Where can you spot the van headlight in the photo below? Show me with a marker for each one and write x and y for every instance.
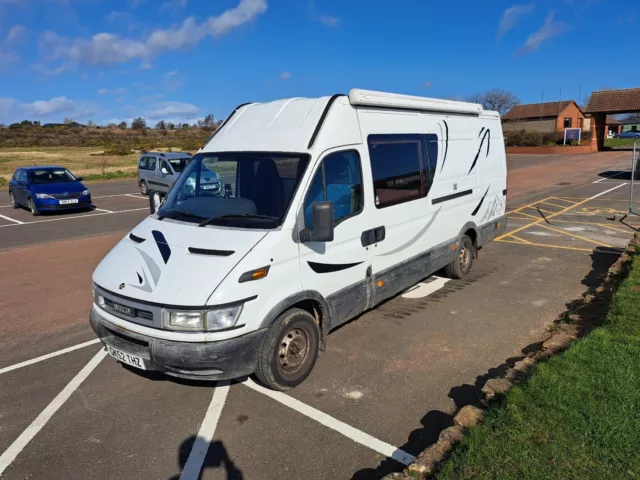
(202, 320)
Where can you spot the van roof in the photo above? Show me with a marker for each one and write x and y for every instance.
(292, 125)
(167, 154)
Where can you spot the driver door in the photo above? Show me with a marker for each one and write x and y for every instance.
(339, 270)
(165, 180)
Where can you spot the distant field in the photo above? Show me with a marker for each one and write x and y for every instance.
(82, 161)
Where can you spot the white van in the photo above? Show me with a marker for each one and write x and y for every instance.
(329, 206)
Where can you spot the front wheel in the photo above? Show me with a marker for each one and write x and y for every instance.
(33, 208)
(288, 351)
(144, 189)
(12, 200)
(461, 265)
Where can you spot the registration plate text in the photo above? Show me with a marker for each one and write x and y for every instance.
(69, 201)
(127, 358)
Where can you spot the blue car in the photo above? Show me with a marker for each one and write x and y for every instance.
(47, 189)
(635, 134)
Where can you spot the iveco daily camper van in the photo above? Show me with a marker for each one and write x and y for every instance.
(327, 207)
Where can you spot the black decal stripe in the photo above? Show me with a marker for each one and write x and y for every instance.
(322, 117)
(504, 192)
(207, 251)
(163, 246)
(475, 160)
(446, 143)
(158, 183)
(139, 278)
(481, 130)
(135, 238)
(331, 267)
(464, 193)
(480, 204)
(488, 141)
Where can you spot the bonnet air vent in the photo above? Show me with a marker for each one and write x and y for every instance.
(136, 238)
(214, 253)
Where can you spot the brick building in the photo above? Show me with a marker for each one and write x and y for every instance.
(544, 117)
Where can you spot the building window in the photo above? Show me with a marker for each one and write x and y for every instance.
(338, 180)
(402, 166)
(567, 123)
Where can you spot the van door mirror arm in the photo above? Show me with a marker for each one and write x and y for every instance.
(323, 224)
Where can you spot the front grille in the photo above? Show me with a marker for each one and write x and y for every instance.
(135, 341)
(62, 196)
(131, 312)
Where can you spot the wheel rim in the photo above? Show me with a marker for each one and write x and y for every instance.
(293, 351)
(143, 187)
(12, 199)
(465, 258)
(32, 206)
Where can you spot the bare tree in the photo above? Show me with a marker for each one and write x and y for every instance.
(138, 124)
(68, 120)
(496, 99)
(161, 125)
(90, 124)
(631, 118)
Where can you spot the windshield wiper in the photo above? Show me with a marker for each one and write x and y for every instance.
(208, 221)
(179, 212)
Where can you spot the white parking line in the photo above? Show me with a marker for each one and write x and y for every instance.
(424, 289)
(111, 196)
(59, 219)
(48, 356)
(18, 222)
(103, 210)
(32, 430)
(612, 176)
(348, 431)
(139, 197)
(200, 447)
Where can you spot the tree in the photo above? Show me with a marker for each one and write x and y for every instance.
(496, 99)
(112, 125)
(68, 120)
(90, 124)
(632, 118)
(122, 125)
(171, 126)
(161, 125)
(185, 125)
(138, 124)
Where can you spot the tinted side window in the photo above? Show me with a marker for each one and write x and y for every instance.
(151, 163)
(337, 180)
(23, 176)
(403, 166)
(16, 176)
(143, 163)
(165, 164)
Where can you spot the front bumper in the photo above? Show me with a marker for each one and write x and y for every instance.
(51, 204)
(222, 360)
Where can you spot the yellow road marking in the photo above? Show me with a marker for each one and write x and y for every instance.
(525, 214)
(564, 199)
(521, 239)
(603, 199)
(547, 246)
(529, 205)
(573, 235)
(565, 210)
(606, 225)
(554, 205)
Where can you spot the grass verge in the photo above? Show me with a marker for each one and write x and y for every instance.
(576, 417)
(619, 142)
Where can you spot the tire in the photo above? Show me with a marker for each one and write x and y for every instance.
(144, 188)
(12, 200)
(465, 253)
(32, 207)
(288, 351)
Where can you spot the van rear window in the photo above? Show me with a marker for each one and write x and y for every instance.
(402, 166)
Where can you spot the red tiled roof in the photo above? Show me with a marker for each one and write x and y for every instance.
(536, 110)
(614, 101)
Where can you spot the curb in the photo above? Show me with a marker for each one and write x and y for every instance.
(587, 314)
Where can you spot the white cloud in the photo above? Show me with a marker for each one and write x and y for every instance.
(11, 108)
(549, 29)
(511, 16)
(114, 91)
(173, 109)
(104, 49)
(285, 75)
(121, 17)
(427, 84)
(329, 21)
(173, 5)
(16, 33)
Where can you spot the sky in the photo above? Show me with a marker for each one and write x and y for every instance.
(179, 60)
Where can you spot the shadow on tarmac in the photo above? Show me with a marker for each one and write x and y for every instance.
(216, 457)
(470, 394)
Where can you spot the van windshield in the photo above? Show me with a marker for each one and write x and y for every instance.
(179, 164)
(238, 189)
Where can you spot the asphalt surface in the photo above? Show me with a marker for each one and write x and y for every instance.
(384, 388)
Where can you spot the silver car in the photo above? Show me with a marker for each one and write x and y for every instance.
(158, 170)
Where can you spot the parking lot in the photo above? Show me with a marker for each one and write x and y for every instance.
(379, 395)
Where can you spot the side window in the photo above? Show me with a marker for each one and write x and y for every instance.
(567, 122)
(402, 166)
(142, 165)
(16, 176)
(151, 163)
(338, 179)
(23, 175)
(165, 164)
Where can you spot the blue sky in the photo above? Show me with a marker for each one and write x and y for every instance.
(108, 60)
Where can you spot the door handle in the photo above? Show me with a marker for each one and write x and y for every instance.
(375, 235)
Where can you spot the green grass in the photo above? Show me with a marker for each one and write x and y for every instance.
(111, 175)
(576, 417)
(619, 142)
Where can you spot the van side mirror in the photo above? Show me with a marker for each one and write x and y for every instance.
(323, 224)
(164, 171)
(155, 201)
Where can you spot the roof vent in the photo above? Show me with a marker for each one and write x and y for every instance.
(213, 253)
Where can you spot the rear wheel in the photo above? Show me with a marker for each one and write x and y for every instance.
(33, 208)
(288, 351)
(144, 189)
(12, 200)
(461, 265)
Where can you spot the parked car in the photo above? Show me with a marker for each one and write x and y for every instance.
(336, 205)
(628, 134)
(47, 189)
(157, 171)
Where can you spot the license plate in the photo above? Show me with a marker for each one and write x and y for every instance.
(127, 358)
(67, 202)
